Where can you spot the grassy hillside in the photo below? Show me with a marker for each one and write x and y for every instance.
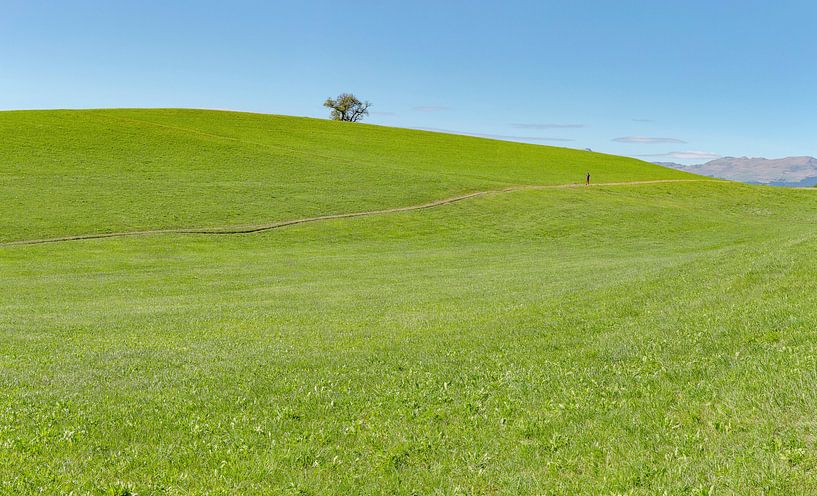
(78, 172)
(636, 339)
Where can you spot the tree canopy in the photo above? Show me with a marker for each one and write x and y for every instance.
(346, 107)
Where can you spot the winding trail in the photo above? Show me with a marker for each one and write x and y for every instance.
(276, 225)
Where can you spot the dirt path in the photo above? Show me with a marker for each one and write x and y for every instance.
(275, 225)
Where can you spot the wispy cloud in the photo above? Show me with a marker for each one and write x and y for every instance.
(502, 137)
(546, 126)
(431, 108)
(522, 138)
(648, 140)
(686, 155)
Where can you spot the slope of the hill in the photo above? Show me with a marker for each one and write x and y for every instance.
(90, 171)
(649, 339)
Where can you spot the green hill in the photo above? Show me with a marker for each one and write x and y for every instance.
(90, 171)
(629, 339)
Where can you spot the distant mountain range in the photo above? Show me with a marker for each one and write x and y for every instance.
(789, 171)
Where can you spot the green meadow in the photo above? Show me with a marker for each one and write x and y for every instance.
(625, 339)
(72, 172)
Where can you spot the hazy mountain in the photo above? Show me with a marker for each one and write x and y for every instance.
(789, 171)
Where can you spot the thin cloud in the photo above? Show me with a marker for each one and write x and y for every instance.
(686, 155)
(647, 140)
(502, 137)
(521, 138)
(431, 108)
(546, 126)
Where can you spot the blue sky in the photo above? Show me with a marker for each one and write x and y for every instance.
(658, 80)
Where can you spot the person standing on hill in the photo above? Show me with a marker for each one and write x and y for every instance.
(587, 179)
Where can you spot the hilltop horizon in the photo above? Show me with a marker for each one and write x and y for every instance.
(659, 106)
(778, 165)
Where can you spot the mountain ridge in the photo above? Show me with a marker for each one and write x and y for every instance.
(798, 170)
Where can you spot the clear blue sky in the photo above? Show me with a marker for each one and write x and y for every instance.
(636, 78)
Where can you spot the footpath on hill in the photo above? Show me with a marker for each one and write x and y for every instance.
(249, 229)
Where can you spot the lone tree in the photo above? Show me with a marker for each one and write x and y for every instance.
(346, 107)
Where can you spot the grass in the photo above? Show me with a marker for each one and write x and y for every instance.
(621, 340)
(80, 172)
